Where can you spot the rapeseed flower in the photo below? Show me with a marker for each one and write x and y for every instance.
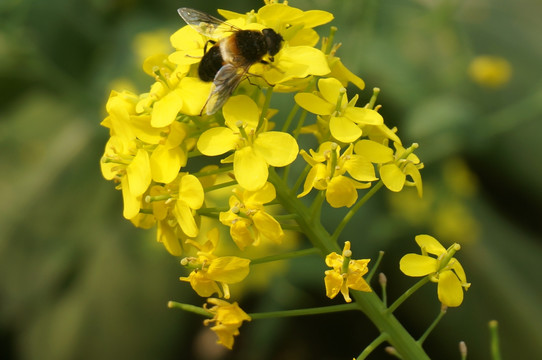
(445, 270)
(346, 274)
(247, 218)
(254, 148)
(211, 270)
(227, 320)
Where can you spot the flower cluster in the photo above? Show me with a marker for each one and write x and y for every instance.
(366, 138)
(162, 142)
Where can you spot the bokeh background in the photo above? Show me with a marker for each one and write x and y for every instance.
(77, 281)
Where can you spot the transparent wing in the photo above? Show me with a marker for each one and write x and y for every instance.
(226, 81)
(204, 23)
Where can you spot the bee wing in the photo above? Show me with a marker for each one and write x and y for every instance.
(204, 23)
(226, 81)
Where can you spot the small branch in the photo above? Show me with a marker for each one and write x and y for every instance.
(304, 312)
(284, 256)
(373, 345)
(407, 294)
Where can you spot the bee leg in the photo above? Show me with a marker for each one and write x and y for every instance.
(206, 44)
(260, 76)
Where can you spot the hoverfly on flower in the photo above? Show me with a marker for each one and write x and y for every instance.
(228, 60)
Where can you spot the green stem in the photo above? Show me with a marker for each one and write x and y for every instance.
(301, 179)
(190, 308)
(290, 118)
(367, 302)
(375, 266)
(304, 312)
(373, 345)
(407, 294)
(284, 256)
(211, 211)
(268, 95)
(220, 170)
(220, 186)
(432, 326)
(283, 217)
(494, 345)
(355, 209)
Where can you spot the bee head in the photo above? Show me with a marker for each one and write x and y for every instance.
(273, 40)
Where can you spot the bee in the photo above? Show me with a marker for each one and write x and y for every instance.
(228, 60)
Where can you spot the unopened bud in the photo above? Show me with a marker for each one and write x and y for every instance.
(463, 349)
(382, 279)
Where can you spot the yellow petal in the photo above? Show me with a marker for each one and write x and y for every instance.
(241, 234)
(341, 192)
(412, 170)
(166, 163)
(228, 269)
(201, 284)
(364, 116)
(333, 281)
(268, 226)
(166, 109)
(191, 191)
(330, 89)
(360, 168)
(166, 235)
(375, 152)
(262, 196)
(194, 93)
(456, 266)
(139, 173)
(132, 203)
(277, 148)
(334, 260)
(430, 244)
(250, 169)
(357, 282)
(393, 177)
(186, 220)
(344, 129)
(297, 62)
(418, 265)
(217, 141)
(313, 103)
(241, 108)
(450, 292)
(186, 38)
(341, 72)
(313, 18)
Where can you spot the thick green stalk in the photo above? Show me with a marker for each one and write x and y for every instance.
(368, 302)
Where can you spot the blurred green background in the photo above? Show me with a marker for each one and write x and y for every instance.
(77, 281)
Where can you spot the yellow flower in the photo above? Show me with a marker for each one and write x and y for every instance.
(327, 173)
(174, 206)
(227, 320)
(344, 117)
(247, 218)
(490, 71)
(297, 59)
(393, 169)
(124, 160)
(444, 269)
(211, 270)
(346, 274)
(255, 149)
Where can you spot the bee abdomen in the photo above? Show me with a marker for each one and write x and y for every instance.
(210, 63)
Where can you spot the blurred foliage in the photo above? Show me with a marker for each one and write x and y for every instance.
(77, 281)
